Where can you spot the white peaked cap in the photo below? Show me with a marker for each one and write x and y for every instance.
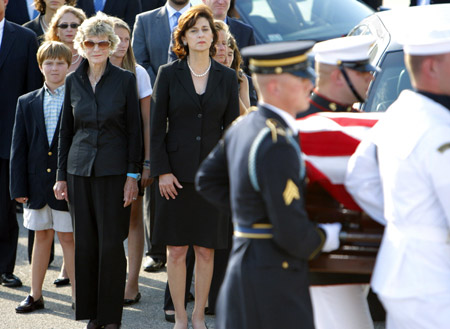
(344, 49)
(428, 41)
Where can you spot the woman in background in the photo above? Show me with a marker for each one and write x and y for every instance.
(123, 57)
(227, 53)
(46, 8)
(64, 27)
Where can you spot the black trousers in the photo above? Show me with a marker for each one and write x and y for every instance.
(9, 229)
(100, 226)
(157, 252)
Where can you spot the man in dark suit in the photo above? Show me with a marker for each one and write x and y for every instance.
(151, 35)
(257, 170)
(19, 74)
(148, 5)
(21, 11)
(243, 33)
(126, 10)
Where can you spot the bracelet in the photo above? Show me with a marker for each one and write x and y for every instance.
(146, 164)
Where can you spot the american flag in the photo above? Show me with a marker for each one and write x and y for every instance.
(327, 140)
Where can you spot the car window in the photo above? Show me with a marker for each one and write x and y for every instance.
(284, 20)
(388, 83)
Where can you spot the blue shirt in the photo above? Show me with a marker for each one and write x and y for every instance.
(52, 108)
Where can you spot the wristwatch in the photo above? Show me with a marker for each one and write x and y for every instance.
(135, 176)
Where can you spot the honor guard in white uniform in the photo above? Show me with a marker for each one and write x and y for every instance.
(257, 169)
(400, 174)
(344, 74)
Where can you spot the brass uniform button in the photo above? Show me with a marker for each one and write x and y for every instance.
(49, 170)
(285, 265)
(50, 153)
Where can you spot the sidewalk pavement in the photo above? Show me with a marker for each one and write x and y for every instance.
(58, 314)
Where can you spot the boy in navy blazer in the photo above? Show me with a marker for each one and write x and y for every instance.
(33, 168)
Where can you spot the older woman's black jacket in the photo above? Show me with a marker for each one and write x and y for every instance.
(195, 124)
(100, 134)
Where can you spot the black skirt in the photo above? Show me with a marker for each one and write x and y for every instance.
(189, 220)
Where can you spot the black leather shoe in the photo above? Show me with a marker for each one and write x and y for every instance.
(154, 265)
(59, 282)
(10, 280)
(128, 302)
(29, 305)
(169, 317)
(112, 326)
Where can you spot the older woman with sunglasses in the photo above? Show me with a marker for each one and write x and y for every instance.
(64, 27)
(99, 155)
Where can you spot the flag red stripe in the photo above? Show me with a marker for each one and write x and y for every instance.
(327, 143)
(337, 191)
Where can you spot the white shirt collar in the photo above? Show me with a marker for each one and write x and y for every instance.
(2, 28)
(289, 119)
(2, 25)
(171, 11)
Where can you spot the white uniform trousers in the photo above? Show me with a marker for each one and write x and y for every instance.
(423, 312)
(342, 306)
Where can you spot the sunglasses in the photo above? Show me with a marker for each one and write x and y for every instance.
(65, 26)
(101, 44)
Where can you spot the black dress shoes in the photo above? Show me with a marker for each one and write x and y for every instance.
(10, 280)
(29, 305)
(128, 302)
(154, 265)
(169, 317)
(59, 282)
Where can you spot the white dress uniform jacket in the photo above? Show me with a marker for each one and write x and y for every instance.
(411, 145)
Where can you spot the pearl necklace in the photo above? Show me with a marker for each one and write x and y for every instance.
(199, 75)
(76, 61)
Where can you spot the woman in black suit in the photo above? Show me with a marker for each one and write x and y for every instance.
(194, 100)
(99, 157)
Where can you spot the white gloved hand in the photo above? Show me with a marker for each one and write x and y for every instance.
(332, 231)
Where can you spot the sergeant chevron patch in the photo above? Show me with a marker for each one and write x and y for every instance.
(291, 192)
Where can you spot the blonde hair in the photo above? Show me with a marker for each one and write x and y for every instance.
(52, 33)
(95, 26)
(129, 61)
(53, 50)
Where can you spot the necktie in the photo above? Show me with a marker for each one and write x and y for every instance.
(98, 5)
(176, 15)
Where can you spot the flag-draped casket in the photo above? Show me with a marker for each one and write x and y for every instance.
(327, 141)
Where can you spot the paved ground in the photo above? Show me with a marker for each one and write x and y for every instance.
(58, 313)
(146, 314)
